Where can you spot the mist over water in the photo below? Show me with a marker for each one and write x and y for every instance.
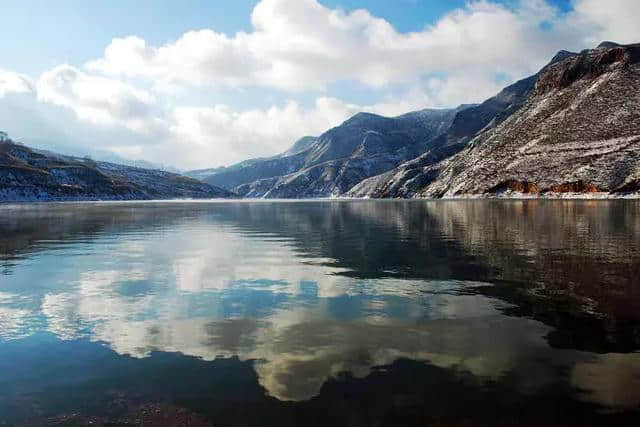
(323, 312)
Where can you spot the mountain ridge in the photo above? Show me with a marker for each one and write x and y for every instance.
(328, 165)
(571, 128)
(367, 145)
(577, 133)
(28, 174)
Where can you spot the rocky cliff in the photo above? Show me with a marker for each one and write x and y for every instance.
(578, 131)
(30, 175)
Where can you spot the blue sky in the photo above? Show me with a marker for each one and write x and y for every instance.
(206, 83)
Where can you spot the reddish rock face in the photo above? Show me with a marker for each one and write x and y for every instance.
(574, 187)
(586, 65)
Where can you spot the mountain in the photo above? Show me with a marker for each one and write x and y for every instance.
(364, 145)
(576, 131)
(255, 169)
(369, 145)
(27, 174)
(468, 122)
(329, 165)
(300, 145)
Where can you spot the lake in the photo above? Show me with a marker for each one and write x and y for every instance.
(321, 313)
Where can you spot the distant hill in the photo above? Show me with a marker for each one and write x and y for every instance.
(32, 175)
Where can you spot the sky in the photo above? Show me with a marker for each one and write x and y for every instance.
(198, 83)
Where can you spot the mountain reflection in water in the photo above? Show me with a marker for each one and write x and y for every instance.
(323, 312)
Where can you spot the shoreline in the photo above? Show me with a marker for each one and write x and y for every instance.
(548, 196)
(468, 197)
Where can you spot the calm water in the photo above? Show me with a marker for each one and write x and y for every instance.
(322, 313)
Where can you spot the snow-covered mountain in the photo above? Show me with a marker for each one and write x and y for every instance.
(577, 131)
(360, 157)
(329, 165)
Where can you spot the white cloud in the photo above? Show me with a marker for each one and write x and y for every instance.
(224, 133)
(614, 20)
(301, 44)
(97, 99)
(199, 57)
(14, 83)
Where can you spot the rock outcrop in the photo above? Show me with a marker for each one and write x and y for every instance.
(31, 175)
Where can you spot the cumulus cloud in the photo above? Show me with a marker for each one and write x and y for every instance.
(14, 83)
(224, 133)
(198, 57)
(301, 44)
(615, 20)
(97, 99)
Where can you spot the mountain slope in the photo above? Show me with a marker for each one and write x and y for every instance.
(367, 145)
(27, 174)
(468, 122)
(577, 131)
(363, 146)
(256, 169)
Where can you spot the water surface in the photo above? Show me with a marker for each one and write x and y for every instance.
(322, 312)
